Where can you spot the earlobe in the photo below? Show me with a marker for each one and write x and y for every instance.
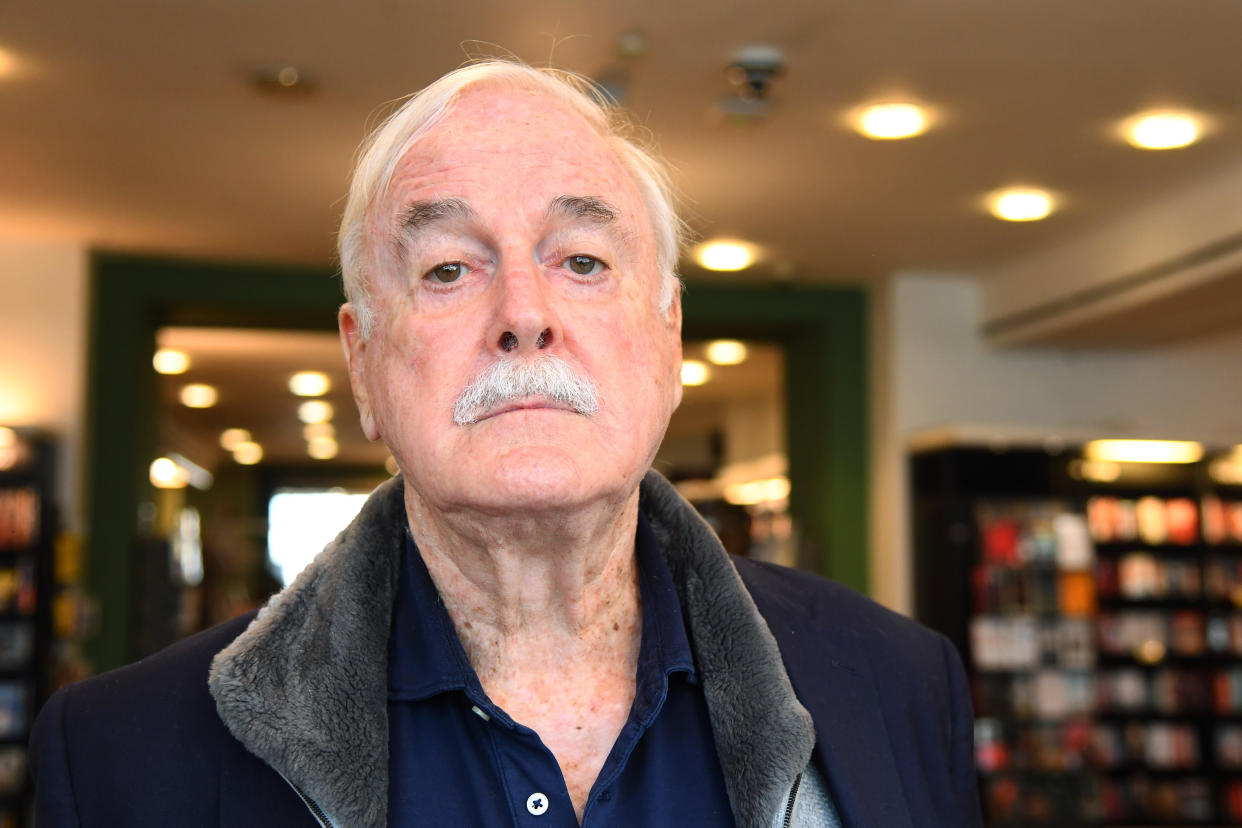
(355, 346)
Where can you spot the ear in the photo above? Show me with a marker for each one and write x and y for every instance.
(673, 320)
(355, 347)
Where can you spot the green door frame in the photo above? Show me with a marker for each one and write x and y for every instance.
(822, 330)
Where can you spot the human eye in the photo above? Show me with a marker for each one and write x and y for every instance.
(446, 273)
(584, 265)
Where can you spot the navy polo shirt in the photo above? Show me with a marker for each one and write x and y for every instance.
(455, 758)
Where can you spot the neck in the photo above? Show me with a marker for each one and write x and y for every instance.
(565, 580)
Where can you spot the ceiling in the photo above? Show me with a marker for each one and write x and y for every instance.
(130, 125)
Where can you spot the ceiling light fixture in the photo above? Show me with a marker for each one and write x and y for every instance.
(1162, 129)
(1021, 204)
(315, 411)
(247, 454)
(170, 361)
(726, 352)
(231, 438)
(10, 66)
(309, 383)
(166, 474)
(1144, 451)
(892, 121)
(726, 254)
(199, 395)
(694, 372)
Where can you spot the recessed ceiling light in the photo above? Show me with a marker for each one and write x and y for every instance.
(170, 361)
(10, 66)
(166, 474)
(322, 448)
(315, 411)
(892, 121)
(309, 383)
(726, 352)
(1162, 130)
(247, 454)
(198, 395)
(726, 254)
(231, 438)
(1021, 204)
(694, 372)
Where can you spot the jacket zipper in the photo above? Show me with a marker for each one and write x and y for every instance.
(789, 806)
(317, 812)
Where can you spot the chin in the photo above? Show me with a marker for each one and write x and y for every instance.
(546, 480)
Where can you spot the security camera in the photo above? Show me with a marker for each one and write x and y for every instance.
(754, 68)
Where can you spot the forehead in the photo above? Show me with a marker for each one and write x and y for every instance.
(518, 140)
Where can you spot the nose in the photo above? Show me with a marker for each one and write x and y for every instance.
(525, 321)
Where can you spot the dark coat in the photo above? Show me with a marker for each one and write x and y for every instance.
(152, 744)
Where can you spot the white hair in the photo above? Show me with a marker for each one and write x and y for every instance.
(507, 380)
(364, 240)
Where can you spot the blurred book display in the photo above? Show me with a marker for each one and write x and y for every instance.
(27, 526)
(1101, 625)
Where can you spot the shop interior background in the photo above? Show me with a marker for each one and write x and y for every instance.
(172, 179)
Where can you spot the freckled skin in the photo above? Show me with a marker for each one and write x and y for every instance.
(526, 520)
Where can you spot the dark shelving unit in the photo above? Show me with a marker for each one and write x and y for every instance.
(1101, 624)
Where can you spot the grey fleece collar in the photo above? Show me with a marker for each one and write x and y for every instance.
(304, 687)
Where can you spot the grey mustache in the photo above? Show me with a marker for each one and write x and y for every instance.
(507, 380)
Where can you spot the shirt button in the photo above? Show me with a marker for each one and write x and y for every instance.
(537, 803)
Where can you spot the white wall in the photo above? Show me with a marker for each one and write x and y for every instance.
(43, 319)
(932, 369)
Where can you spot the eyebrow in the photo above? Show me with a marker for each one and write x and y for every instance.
(589, 208)
(423, 214)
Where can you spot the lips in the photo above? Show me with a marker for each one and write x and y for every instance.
(527, 405)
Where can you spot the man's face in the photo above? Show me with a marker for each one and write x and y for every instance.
(518, 235)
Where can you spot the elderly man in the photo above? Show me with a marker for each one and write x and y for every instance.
(526, 627)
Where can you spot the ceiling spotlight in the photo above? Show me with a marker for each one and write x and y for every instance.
(198, 395)
(694, 372)
(247, 454)
(322, 448)
(1162, 130)
(892, 121)
(166, 474)
(726, 254)
(10, 66)
(1021, 204)
(309, 383)
(231, 438)
(315, 411)
(726, 352)
(170, 361)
